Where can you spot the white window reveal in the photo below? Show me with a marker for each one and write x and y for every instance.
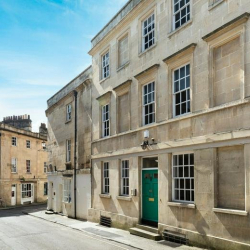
(68, 150)
(183, 178)
(67, 191)
(14, 141)
(105, 120)
(106, 178)
(181, 90)
(68, 112)
(105, 65)
(181, 12)
(148, 32)
(28, 166)
(149, 103)
(13, 165)
(125, 178)
(27, 144)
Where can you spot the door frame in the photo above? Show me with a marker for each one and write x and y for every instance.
(12, 186)
(151, 156)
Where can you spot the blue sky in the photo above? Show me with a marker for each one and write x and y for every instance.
(43, 45)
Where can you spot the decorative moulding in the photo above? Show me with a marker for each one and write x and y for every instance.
(226, 27)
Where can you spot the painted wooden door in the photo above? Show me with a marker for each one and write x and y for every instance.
(150, 195)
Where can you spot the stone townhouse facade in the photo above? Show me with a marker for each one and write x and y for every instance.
(61, 147)
(23, 164)
(170, 120)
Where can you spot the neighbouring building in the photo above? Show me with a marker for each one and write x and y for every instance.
(171, 115)
(61, 147)
(23, 161)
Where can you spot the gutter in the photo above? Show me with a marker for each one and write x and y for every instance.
(75, 157)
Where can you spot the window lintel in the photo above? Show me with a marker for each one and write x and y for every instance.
(123, 87)
(153, 67)
(105, 96)
(181, 53)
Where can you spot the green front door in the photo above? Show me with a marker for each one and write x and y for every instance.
(150, 195)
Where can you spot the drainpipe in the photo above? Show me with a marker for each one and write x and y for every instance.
(75, 158)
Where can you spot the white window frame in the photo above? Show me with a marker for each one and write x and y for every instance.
(105, 61)
(14, 141)
(27, 190)
(187, 89)
(147, 24)
(146, 105)
(28, 144)
(28, 167)
(125, 178)
(67, 190)
(106, 120)
(45, 167)
(179, 177)
(68, 112)
(68, 150)
(187, 16)
(14, 165)
(106, 180)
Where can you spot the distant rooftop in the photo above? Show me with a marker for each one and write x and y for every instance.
(128, 7)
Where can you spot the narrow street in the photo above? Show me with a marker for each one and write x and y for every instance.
(30, 228)
(19, 231)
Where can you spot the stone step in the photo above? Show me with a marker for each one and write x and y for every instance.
(148, 228)
(145, 234)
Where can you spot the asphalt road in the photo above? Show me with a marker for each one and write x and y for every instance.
(19, 231)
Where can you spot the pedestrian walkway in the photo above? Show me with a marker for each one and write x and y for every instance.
(112, 234)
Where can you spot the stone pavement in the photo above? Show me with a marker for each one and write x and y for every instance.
(111, 234)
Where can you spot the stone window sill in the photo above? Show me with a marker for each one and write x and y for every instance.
(123, 66)
(230, 211)
(210, 7)
(124, 198)
(145, 51)
(106, 196)
(68, 121)
(104, 79)
(178, 204)
(180, 28)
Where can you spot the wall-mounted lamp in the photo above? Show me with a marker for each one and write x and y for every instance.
(145, 142)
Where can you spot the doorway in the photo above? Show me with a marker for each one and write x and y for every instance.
(150, 191)
(13, 194)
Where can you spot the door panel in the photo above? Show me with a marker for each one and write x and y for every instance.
(150, 195)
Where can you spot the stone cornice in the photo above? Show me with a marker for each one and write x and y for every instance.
(226, 27)
(105, 95)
